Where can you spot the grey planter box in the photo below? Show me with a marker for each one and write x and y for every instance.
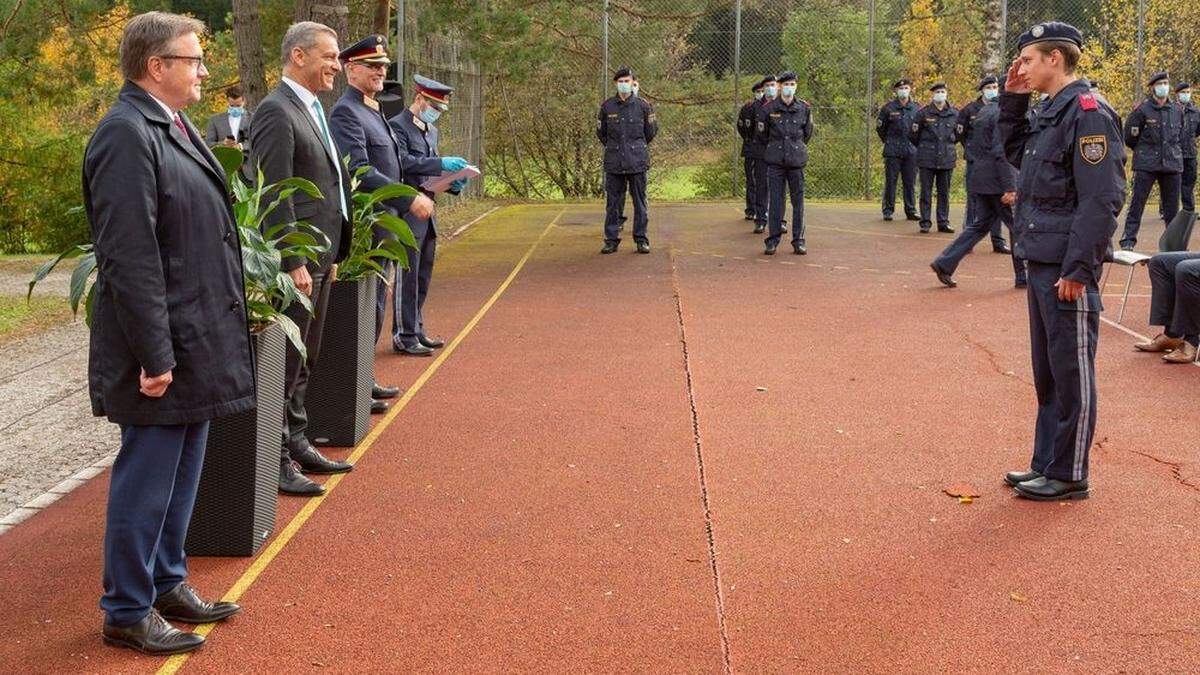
(339, 389)
(239, 485)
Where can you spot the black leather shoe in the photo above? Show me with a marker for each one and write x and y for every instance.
(925, 227)
(432, 343)
(609, 247)
(1127, 246)
(413, 350)
(1013, 478)
(749, 216)
(152, 635)
(292, 482)
(1001, 248)
(770, 249)
(888, 217)
(643, 247)
(311, 461)
(913, 217)
(946, 230)
(946, 279)
(759, 229)
(379, 391)
(182, 604)
(799, 249)
(378, 407)
(783, 228)
(1043, 489)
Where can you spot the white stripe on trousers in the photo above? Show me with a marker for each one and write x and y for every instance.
(1085, 388)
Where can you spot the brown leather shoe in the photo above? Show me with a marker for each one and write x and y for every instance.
(1160, 343)
(182, 604)
(152, 635)
(1184, 353)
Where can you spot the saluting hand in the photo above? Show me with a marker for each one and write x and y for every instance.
(1068, 291)
(302, 279)
(156, 386)
(1016, 83)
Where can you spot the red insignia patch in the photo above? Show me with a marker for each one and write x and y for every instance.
(1088, 102)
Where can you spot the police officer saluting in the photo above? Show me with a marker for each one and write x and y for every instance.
(1071, 187)
(785, 128)
(1191, 129)
(989, 91)
(933, 132)
(1153, 132)
(899, 154)
(745, 129)
(762, 196)
(626, 127)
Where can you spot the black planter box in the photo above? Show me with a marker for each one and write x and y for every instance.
(239, 485)
(338, 401)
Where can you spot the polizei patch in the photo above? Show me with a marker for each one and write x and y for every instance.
(1093, 149)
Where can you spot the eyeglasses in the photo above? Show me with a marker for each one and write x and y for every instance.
(199, 60)
(372, 66)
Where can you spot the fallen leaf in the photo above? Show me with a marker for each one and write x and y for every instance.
(760, 389)
(1017, 597)
(959, 490)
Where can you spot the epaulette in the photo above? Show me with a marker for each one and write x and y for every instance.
(1088, 102)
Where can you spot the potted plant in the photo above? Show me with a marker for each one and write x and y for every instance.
(339, 387)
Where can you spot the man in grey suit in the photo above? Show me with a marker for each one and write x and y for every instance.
(232, 128)
(291, 138)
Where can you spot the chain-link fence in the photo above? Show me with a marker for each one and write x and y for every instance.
(696, 61)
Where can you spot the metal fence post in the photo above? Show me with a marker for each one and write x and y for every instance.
(737, 88)
(870, 101)
(400, 45)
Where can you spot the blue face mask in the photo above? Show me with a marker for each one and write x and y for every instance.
(758, 95)
(771, 91)
(939, 97)
(236, 111)
(1185, 97)
(1161, 90)
(789, 90)
(990, 94)
(430, 115)
(902, 93)
(625, 88)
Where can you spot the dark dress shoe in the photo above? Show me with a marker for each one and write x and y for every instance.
(152, 635)
(749, 216)
(770, 249)
(311, 461)
(292, 482)
(609, 247)
(417, 349)
(1001, 248)
(378, 407)
(1020, 283)
(946, 230)
(783, 228)
(1043, 489)
(888, 217)
(182, 604)
(946, 279)
(913, 217)
(759, 229)
(925, 228)
(643, 247)
(1013, 478)
(380, 391)
(799, 249)
(432, 343)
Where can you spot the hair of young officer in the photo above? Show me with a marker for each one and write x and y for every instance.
(1070, 53)
(150, 34)
(303, 35)
(233, 92)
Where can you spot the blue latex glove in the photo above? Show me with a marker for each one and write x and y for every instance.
(458, 185)
(452, 164)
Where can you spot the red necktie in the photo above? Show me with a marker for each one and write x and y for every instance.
(183, 129)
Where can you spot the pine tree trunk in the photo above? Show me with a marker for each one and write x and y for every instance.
(336, 15)
(247, 34)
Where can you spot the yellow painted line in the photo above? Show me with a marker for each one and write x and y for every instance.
(268, 555)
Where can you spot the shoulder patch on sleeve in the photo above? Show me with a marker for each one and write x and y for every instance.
(1088, 102)
(1093, 149)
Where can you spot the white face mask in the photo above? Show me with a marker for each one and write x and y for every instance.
(990, 93)
(625, 88)
(903, 93)
(939, 97)
(789, 90)
(1161, 90)
(1185, 97)
(771, 91)
(758, 95)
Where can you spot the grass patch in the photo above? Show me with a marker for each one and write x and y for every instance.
(18, 319)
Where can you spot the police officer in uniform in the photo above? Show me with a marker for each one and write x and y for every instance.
(933, 133)
(989, 91)
(770, 89)
(1153, 131)
(626, 126)
(785, 128)
(1191, 130)
(1071, 188)
(899, 154)
(745, 129)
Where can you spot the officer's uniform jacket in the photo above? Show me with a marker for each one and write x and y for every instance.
(990, 174)
(626, 128)
(785, 130)
(1190, 131)
(933, 132)
(360, 130)
(893, 124)
(419, 161)
(1072, 179)
(1154, 133)
(757, 148)
(745, 127)
(965, 126)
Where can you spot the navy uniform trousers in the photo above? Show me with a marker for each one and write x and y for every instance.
(989, 213)
(997, 235)
(942, 178)
(1168, 192)
(780, 178)
(751, 198)
(411, 287)
(150, 499)
(904, 168)
(615, 186)
(1063, 341)
(1175, 298)
(1188, 184)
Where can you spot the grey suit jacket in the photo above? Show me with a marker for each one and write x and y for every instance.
(218, 129)
(287, 143)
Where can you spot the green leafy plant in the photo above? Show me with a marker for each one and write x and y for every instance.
(82, 285)
(366, 257)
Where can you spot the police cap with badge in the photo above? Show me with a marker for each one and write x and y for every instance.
(371, 49)
(1158, 77)
(902, 82)
(435, 92)
(986, 81)
(1050, 31)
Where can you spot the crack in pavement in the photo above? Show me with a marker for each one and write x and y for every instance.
(708, 520)
(993, 358)
(1176, 469)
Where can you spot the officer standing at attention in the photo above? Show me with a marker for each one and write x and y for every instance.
(762, 198)
(785, 128)
(989, 91)
(899, 154)
(1191, 130)
(745, 129)
(1071, 187)
(933, 134)
(626, 126)
(1153, 131)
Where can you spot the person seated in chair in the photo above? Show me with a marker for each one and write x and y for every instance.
(1174, 305)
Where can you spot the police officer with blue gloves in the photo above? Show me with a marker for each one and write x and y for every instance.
(1071, 188)
(762, 198)
(417, 137)
(1191, 130)
(989, 91)
(992, 182)
(1154, 131)
(745, 129)
(626, 126)
(899, 154)
(785, 128)
(933, 132)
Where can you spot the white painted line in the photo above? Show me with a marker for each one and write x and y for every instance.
(865, 269)
(813, 265)
(787, 262)
(464, 228)
(839, 267)
(736, 257)
(902, 272)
